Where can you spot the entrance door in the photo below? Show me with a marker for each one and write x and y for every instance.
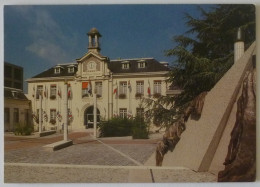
(89, 117)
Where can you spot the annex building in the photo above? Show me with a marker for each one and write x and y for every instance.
(119, 86)
(16, 105)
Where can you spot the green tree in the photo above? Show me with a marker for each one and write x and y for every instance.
(203, 55)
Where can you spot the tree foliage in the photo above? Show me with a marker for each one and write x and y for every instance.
(203, 55)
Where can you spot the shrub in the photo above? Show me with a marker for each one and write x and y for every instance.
(117, 127)
(21, 129)
(138, 95)
(156, 95)
(140, 129)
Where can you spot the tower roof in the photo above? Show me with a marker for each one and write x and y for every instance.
(240, 34)
(94, 31)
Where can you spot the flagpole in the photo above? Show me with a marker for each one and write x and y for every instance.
(117, 91)
(40, 114)
(95, 112)
(130, 109)
(66, 110)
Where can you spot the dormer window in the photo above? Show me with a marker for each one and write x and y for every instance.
(125, 65)
(141, 64)
(14, 94)
(58, 69)
(71, 69)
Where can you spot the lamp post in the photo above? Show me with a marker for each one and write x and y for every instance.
(95, 112)
(65, 110)
(40, 113)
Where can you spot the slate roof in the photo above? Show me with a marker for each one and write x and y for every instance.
(11, 93)
(152, 65)
(115, 66)
(64, 71)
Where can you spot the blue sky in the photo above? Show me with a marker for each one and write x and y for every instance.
(38, 37)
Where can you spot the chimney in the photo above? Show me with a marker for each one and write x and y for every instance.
(239, 45)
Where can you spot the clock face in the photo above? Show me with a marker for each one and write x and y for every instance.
(92, 65)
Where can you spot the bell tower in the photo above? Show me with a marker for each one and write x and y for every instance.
(93, 40)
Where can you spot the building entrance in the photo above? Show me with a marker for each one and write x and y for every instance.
(89, 117)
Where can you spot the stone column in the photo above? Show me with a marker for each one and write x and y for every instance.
(89, 41)
(96, 41)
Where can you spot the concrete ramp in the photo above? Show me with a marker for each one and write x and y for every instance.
(200, 140)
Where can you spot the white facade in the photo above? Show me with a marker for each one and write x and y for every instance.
(118, 93)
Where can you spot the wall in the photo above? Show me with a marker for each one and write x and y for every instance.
(200, 140)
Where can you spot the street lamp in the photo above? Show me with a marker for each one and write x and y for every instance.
(65, 110)
(95, 111)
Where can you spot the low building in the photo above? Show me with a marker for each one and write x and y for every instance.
(16, 106)
(119, 86)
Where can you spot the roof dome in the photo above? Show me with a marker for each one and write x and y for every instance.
(94, 31)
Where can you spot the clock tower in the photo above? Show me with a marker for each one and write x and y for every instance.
(93, 40)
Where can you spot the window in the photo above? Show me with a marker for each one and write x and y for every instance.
(141, 65)
(71, 69)
(122, 90)
(93, 42)
(53, 114)
(123, 112)
(39, 91)
(16, 115)
(53, 91)
(57, 70)
(7, 115)
(14, 94)
(99, 89)
(140, 113)
(86, 89)
(8, 71)
(157, 87)
(140, 88)
(125, 65)
(8, 83)
(18, 75)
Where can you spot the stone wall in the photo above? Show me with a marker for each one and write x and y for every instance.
(199, 141)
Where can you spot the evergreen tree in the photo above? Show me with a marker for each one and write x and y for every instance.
(203, 55)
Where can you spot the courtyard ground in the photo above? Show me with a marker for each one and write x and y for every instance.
(119, 159)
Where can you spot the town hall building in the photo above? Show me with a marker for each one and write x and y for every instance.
(119, 86)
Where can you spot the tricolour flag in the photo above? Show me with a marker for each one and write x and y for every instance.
(115, 90)
(45, 92)
(59, 92)
(129, 86)
(149, 89)
(89, 88)
(33, 91)
(69, 91)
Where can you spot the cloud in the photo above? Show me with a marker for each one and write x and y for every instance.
(47, 50)
(47, 38)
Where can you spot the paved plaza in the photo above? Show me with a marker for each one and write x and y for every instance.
(119, 159)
